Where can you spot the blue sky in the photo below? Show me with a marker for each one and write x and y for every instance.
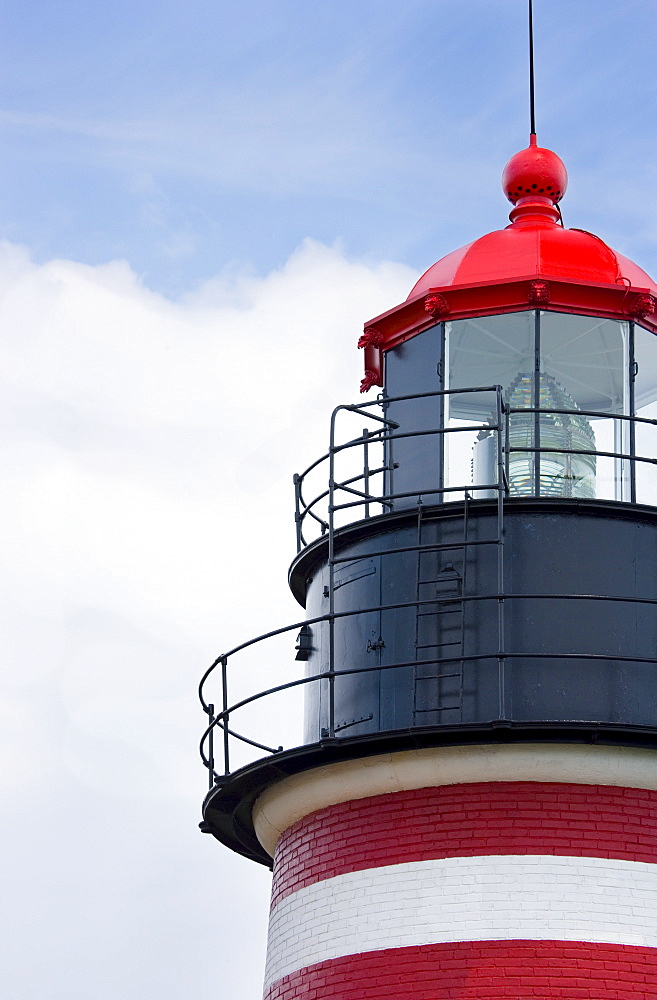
(184, 138)
(200, 204)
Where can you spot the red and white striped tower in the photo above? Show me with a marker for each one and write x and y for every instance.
(472, 812)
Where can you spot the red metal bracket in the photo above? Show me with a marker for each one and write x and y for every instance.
(539, 292)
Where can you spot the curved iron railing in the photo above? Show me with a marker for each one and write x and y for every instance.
(389, 433)
(385, 435)
(219, 720)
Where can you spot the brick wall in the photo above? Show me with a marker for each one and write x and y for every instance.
(481, 891)
(465, 821)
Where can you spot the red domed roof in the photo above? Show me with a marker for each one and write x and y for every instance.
(528, 251)
(535, 244)
(532, 264)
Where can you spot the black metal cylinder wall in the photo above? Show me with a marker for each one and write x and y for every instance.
(579, 598)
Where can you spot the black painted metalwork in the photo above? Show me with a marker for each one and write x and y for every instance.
(449, 606)
(386, 538)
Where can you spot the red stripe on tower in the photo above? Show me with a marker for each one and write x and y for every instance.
(485, 970)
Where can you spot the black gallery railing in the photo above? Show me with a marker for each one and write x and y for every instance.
(221, 734)
(216, 753)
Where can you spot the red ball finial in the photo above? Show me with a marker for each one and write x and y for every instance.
(535, 173)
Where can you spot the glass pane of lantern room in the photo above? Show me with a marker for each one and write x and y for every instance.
(584, 365)
(483, 351)
(414, 463)
(645, 407)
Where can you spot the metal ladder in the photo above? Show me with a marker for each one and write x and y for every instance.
(441, 579)
(441, 627)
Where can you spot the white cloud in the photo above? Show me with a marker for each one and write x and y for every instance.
(147, 450)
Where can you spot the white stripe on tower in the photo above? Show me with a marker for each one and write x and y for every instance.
(526, 897)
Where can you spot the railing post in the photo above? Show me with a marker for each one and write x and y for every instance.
(634, 370)
(502, 431)
(211, 746)
(331, 567)
(296, 479)
(366, 469)
(224, 711)
(390, 463)
(507, 446)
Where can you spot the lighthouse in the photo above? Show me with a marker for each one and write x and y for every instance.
(470, 810)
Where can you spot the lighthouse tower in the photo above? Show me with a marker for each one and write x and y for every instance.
(471, 809)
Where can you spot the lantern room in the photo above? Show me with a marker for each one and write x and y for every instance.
(554, 317)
